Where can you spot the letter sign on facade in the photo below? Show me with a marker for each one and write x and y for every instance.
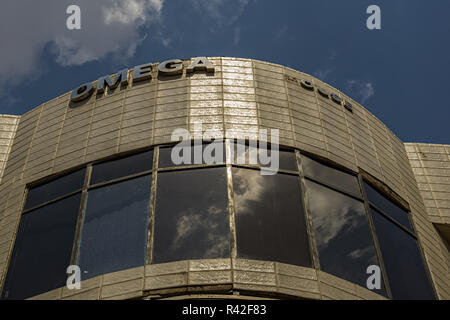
(103, 82)
(82, 92)
(171, 67)
(142, 72)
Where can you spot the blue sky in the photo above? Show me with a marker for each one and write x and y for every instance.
(399, 73)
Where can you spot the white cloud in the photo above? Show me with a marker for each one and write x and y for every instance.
(237, 36)
(322, 74)
(27, 27)
(282, 31)
(221, 12)
(362, 91)
(130, 11)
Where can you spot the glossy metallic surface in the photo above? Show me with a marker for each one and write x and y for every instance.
(342, 234)
(329, 175)
(53, 189)
(125, 166)
(408, 278)
(270, 222)
(114, 232)
(43, 249)
(191, 215)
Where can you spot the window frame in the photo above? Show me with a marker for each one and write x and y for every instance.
(361, 176)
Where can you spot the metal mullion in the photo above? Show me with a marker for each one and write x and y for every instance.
(337, 189)
(67, 195)
(131, 176)
(327, 162)
(188, 167)
(231, 211)
(151, 212)
(375, 238)
(256, 167)
(308, 218)
(80, 218)
(387, 216)
(191, 143)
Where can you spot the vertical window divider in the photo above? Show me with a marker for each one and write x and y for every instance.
(81, 211)
(231, 211)
(311, 238)
(151, 217)
(374, 237)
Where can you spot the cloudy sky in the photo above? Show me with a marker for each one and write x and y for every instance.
(400, 73)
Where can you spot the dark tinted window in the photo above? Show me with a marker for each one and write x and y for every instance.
(188, 153)
(122, 167)
(270, 222)
(388, 207)
(403, 262)
(55, 188)
(114, 234)
(330, 176)
(191, 215)
(249, 154)
(42, 249)
(342, 234)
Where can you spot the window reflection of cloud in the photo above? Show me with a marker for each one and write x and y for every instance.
(358, 253)
(219, 249)
(248, 187)
(194, 221)
(244, 154)
(332, 213)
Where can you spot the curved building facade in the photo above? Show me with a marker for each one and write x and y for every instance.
(89, 180)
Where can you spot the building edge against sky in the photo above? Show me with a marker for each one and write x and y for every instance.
(241, 97)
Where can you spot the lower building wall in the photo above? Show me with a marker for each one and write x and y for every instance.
(220, 276)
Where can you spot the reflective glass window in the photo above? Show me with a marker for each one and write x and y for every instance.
(388, 207)
(191, 215)
(56, 188)
(42, 249)
(114, 232)
(270, 221)
(190, 153)
(122, 167)
(249, 154)
(342, 234)
(403, 262)
(330, 176)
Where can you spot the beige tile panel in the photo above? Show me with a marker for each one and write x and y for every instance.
(241, 97)
(8, 127)
(245, 275)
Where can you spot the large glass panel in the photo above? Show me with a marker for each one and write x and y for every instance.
(330, 176)
(190, 153)
(114, 234)
(191, 215)
(56, 188)
(270, 222)
(388, 207)
(122, 167)
(42, 249)
(342, 234)
(250, 155)
(403, 262)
